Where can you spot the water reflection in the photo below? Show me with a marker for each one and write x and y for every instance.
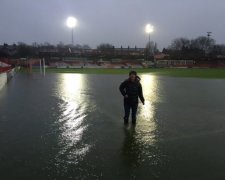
(71, 122)
(131, 147)
(147, 122)
(140, 141)
(70, 86)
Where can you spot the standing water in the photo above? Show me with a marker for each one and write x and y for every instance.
(70, 126)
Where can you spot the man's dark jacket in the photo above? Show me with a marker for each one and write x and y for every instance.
(133, 90)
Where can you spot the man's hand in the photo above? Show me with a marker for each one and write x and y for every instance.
(126, 96)
(143, 103)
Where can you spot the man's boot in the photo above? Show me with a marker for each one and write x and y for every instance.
(134, 121)
(125, 120)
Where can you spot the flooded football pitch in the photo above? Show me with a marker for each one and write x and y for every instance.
(70, 126)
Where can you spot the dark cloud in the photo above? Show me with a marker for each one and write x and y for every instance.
(120, 22)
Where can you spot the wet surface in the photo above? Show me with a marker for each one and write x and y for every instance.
(70, 126)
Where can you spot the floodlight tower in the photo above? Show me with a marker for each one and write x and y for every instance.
(209, 34)
(149, 29)
(71, 23)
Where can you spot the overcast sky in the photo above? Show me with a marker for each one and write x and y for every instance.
(120, 22)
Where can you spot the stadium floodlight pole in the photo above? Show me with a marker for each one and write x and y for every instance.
(71, 23)
(149, 29)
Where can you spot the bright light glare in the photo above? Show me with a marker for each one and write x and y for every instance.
(147, 114)
(71, 22)
(149, 28)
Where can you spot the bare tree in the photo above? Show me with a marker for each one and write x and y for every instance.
(218, 49)
(180, 43)
(203, 43)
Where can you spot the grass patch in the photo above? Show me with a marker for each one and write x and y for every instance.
(176, 72)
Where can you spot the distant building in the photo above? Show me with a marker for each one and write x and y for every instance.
(53, 53)
(160, 56)
(174, 63)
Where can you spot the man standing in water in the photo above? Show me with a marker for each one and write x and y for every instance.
(131, 89)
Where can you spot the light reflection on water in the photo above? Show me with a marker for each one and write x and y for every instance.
(141, 138)
(75, 130)
(73, 110)
(147, 122)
